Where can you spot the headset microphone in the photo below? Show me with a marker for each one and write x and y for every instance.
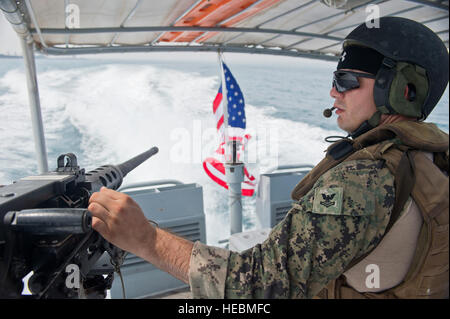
(328, 112)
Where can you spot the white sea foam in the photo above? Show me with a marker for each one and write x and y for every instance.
(16, 139)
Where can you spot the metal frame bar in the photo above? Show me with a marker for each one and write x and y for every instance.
(354, 25)
(202, 48)
(436, 19)
(274, 18)
(228, 19)
(35, 106)
(357, 24)
(351, 26)
(179, 35)
(33, 94)
(329, 46)
(323, 19)
(66, 38)
(286, 13)
(177, 19)
(33, 19)
(128, 17)
(240, 12)
(278, 35)
(178, 29)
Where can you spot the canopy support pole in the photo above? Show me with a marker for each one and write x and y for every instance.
(35, 106)
(13, 14)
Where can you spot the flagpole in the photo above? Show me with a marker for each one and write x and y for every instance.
(225, 99)
(234, 170)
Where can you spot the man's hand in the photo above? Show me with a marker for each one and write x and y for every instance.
(120, 220)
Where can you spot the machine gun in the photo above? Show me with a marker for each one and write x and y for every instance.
(45, 228)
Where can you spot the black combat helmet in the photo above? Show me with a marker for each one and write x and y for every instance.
(414, 72)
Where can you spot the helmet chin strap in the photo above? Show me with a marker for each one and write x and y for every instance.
(345, 146)
(366, 126)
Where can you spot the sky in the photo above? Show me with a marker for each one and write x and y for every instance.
(9, 42)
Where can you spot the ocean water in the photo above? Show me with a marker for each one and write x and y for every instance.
(108, 110)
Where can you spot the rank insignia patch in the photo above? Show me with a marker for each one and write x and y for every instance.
(328, 200)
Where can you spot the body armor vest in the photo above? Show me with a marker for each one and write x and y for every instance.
(402, 146)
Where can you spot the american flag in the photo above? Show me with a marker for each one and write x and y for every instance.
(235, 105)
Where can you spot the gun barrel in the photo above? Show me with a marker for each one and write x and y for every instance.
(131, 164)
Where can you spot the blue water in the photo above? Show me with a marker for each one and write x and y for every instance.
(107, 110)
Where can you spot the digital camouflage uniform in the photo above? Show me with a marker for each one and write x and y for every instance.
(343, 216)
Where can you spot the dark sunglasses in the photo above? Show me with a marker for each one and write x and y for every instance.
(348, 80)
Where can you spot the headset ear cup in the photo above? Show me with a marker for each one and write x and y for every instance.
(382, 87)
(408, 91)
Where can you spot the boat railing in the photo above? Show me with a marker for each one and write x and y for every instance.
(273, 197)
(147, 184)
(290, 168)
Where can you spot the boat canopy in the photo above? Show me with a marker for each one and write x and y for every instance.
(309, 28)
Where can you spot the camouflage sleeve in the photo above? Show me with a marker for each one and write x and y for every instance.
(207, 271)
(342, 216)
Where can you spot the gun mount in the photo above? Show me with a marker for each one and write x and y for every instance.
(45, 228)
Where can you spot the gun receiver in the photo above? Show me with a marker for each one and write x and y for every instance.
(45, 227)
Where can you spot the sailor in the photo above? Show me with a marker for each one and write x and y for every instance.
(369, 221)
